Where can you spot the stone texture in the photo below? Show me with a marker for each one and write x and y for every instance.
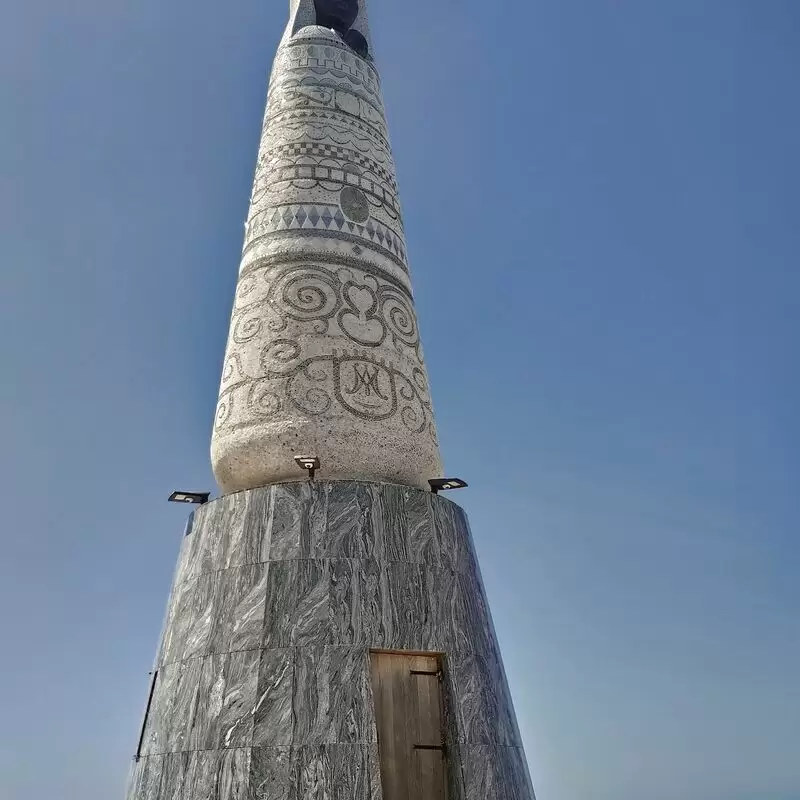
(263, 687)
(324, 355)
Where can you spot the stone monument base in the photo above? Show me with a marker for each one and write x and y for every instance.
(283, 599)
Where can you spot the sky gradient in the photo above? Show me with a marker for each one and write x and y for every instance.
(603, 224)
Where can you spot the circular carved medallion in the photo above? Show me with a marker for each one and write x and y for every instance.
(355, 205)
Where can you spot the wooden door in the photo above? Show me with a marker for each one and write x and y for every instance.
(411, 740)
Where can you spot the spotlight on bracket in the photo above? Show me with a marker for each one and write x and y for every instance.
(196, 498)
(446, 484)
(310, 463)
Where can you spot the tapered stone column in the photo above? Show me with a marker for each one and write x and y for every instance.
(262, 690)
(324, 354)
(293, 599)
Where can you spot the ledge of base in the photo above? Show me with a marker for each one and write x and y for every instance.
(321, 484)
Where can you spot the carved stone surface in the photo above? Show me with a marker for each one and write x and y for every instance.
(263, 687)
(324, 355)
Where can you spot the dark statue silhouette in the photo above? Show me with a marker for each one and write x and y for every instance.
(340, 15)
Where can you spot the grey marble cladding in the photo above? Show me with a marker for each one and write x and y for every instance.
(327, 520)
(263, 686)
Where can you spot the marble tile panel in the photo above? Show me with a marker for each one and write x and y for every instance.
(313, 529)
(472, 630)
(455, 777)
(233, 781)
(332, 696)
(496, 772)
(298, 514)
(445, 613)
(310, 621)
(390, 522)
(218, 775)
(145, 781)
(184, 705)
(379, 605)
(157, 724)
(203, 733)
(273, 773)
(200, 616)
(374, 764)
(483, 713)
(349, 775)
(316, 772)
(350, 529)
(273, 715)
(350, 678)
(249, 527)
(214, 523)
(237, 620)
(174, 770)
(229, 512)
(201, 774)
(312, 700)
(369, 579)
(403, 607)
(355, 606)
(287, 511)
(228, 688)
(297, 603)
(423, 544)
(178, 621)
(452, 534)
(280, 603)
(263, 525)
(313, 773)
(187, 559)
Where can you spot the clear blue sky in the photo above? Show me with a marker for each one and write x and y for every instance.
(601, 204)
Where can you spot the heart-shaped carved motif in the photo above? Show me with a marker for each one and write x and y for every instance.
(362, 299)
(358, 321)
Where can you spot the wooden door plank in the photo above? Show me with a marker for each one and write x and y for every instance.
(429, 733)
(408, 713)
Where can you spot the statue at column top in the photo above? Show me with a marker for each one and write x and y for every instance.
(339, 15)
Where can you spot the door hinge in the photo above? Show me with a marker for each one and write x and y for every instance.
(440, 747)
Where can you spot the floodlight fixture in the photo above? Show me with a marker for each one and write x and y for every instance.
(310, 463)
(446, 484)
(196, 498)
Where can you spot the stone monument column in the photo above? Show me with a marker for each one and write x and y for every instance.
(330, 638)
(324, 354)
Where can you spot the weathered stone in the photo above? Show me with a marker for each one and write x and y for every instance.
(279, 702)
(324, 355)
